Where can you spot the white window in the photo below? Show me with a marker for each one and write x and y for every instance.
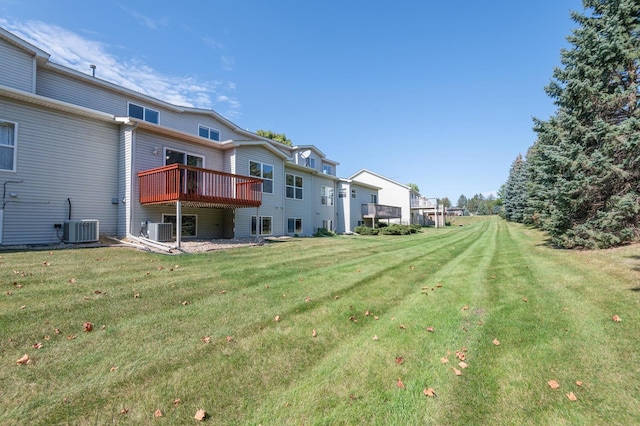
(264, 171)
(374, 198)
(326, 169)
(173, 156)
(189, 224)
(143, 113)
(353, 193)
(265, 225)
(294, 225)
(209, 133)
(311, 162)
(293, 186)
(342, 193)
(326, 195)
(328, 225)
(8, 133)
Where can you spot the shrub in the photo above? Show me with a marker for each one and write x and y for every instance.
(324, 232)
(365, 230)
(396, 229)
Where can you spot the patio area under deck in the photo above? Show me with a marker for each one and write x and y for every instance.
(179, 185)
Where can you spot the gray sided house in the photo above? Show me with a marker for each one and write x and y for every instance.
(355, 201)
(81, 157)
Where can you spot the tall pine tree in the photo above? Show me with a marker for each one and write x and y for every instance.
(584, 169)
(514, 193)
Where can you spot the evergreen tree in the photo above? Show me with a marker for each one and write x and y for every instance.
(584, 169)
(514, 193)
(462, 202)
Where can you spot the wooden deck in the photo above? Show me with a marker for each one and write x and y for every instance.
(197, 186)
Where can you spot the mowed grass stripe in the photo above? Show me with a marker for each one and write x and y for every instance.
(358, 378)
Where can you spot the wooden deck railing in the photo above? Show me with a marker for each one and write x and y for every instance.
(178, 182)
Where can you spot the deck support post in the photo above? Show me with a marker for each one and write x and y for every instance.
(178, 223)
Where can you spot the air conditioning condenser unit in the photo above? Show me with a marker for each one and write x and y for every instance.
(161, 231)
(80, 231)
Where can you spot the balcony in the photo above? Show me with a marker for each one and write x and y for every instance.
(378, 211)
(198, 187)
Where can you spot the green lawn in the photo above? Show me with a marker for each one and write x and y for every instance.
(232, 332)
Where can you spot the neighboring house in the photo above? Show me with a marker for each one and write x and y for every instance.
(76, 150)
(355, 200)
(414, 209)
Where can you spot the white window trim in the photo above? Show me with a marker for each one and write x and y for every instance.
(183, 215)
(259, 223)
(144, 112)
(209, 130)
(354, 193)
(293, 186)
(168, 148)
(14, 147)
(262, 175)
(294, 225)
(327, 166)
(327, 190)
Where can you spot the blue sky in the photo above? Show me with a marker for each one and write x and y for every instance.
(436, 93)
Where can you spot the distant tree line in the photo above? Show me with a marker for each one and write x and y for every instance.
(580, 181)
(478, 204)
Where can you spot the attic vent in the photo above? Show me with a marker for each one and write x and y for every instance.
(80, 231)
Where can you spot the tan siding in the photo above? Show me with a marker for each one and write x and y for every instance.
(59, 157)
(16, 67)
(272, 204)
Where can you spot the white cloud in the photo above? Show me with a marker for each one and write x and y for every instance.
(144, 20)
(74, 51)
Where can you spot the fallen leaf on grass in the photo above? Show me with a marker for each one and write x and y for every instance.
(72, 280)
(277, 318)
(524, 299)
(465, 308)
(616, 318)
(200, 415)
(463, 364)
(456, 371)
(572, 397)
(412, 267)
(399, 360)
(307, 299)
(112, 369)
(375, 317)
(229, 338)
(460, 355)
(37, 345)
(553, 384)
(206, 339)
(400, 384)
(124, 411)
(402, 326)
(496, 342)
(314, 333)
(367, 313)
(578, 382)
(444, 360)
(429, 392)
(71, 337)
(158, 413)
(353, 318)
(24, 360)
(87, 326)
(375, 337)
(439, 286)
(185, 303)
(430, 329)
(176, 402)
